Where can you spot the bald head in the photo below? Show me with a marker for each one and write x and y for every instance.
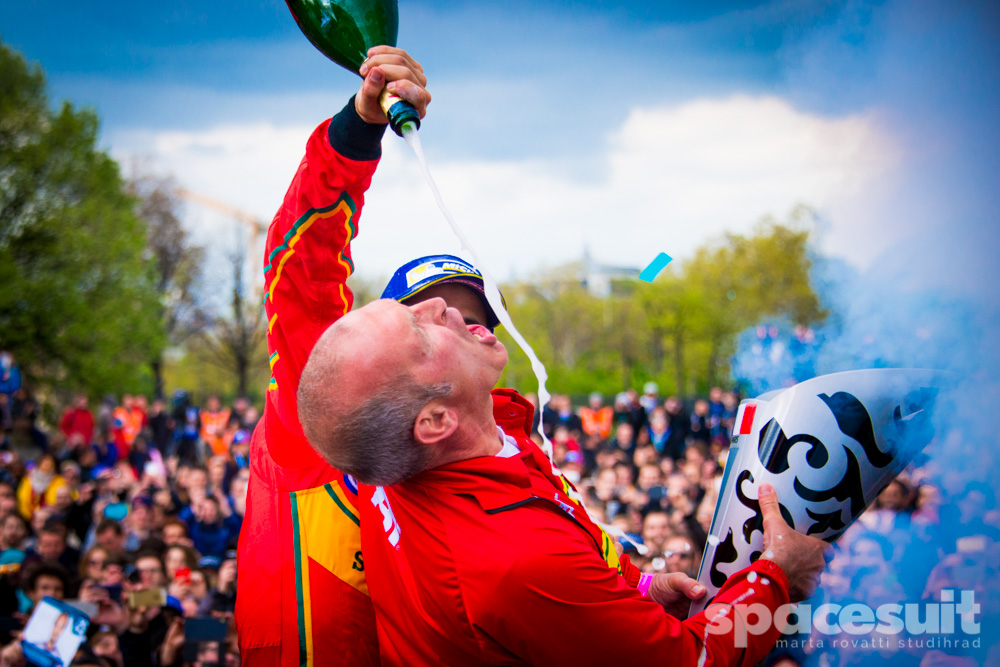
(359, 398)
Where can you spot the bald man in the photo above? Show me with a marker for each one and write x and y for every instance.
(474, 554)
(302, 591)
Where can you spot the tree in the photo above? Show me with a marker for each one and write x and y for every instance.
(681, 330)
(177, 262)
(743, 280)
(674, 312)
(237, 341)
(78, 308)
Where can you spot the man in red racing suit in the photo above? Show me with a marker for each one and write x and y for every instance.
(302, 593)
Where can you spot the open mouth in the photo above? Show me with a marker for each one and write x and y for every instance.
(482, 333)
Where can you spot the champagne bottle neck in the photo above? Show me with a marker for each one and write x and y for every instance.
(399, 112)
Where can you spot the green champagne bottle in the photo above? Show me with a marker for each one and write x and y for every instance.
(344, 30)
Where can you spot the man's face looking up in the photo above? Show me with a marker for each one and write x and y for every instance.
(441, 343)
(428, 341)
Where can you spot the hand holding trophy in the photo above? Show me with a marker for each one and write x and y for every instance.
(800, 557)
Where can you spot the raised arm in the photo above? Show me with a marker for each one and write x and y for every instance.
(308, 256)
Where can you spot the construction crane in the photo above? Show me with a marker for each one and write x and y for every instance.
(257, 226)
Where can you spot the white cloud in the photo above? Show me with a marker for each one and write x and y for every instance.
(670, 178)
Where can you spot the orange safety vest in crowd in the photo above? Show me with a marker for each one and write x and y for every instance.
(213, 430)
(127, 424)
(597, 421)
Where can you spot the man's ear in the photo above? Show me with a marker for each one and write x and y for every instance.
(435, 422)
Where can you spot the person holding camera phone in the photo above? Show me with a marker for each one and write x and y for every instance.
(147, 624)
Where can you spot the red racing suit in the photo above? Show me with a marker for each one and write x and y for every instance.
(486, 562)
(302, 596)
(301, 592)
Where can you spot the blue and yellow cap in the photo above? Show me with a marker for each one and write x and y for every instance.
(421, 273)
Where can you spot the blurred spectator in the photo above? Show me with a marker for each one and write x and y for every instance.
(105, 454)
(700, 426)
(161, 427)
(628, 409)
(175, 531)
(139, 522)
(210, 531)
(596, 418)
(625, 439)
(8, 498)
(678, 427)
(240, 449)
(10, 382)
(655, 530)
(662, 436)
(52, 547)
(681, 555)
(13, 530)
(214, 419)
(114, 571)
(92, 563)
(187, 426)
(177, 557)
(39, 486)
(105, 645)
(650, 397)
(650, 482)
(45, 579)
(224, 595)
(110, 535)
(77, 423)
(150, 569)
(559, 412)
(127, 421)
(110, 610)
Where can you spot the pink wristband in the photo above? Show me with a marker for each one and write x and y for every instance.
(645, 579)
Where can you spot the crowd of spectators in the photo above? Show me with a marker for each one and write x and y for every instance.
(135, 496)
(129, 498)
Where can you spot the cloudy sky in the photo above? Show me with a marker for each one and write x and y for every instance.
(630, 127)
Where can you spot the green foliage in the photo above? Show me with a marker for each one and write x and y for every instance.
(197, 367)
(679, 331)
(78, 309)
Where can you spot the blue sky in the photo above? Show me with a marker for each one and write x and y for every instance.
(630, 127)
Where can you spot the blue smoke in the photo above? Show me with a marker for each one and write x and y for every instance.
(929, 301)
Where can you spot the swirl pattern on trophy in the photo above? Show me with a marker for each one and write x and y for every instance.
(850, 487)
(855, 422)
(773, 448)
(756, 522)
(726, 552)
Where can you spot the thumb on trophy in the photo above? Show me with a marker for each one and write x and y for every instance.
(801, 558)
(770, 510)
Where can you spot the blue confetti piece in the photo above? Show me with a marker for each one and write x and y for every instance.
(651, 271)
